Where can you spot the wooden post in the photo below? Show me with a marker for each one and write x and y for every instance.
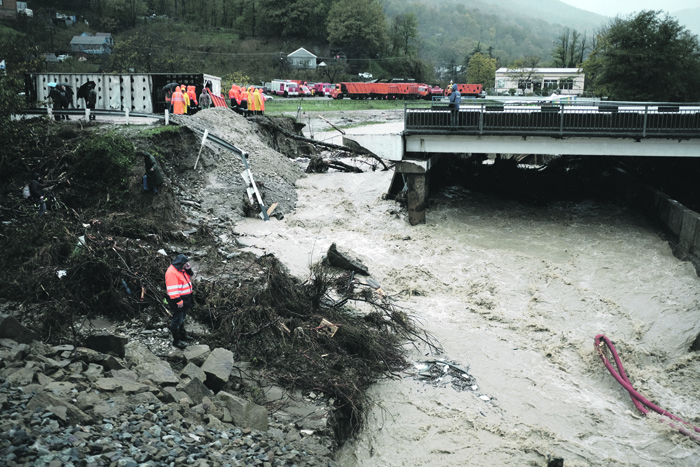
(417, 196)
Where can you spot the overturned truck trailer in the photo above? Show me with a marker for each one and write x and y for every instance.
(133, 91)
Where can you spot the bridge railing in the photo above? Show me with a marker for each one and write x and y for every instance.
(558, 119)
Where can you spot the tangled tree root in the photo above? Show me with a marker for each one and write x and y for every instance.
(305, 336)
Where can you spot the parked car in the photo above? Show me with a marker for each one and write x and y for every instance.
(365, 75)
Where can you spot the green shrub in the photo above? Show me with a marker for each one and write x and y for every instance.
(106, 160)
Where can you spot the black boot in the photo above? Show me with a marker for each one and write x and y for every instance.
(177, 341)
(183, 335)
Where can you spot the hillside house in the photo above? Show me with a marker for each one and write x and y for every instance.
(302, 58)
(563, 81)
(99, 44)
(8, 9)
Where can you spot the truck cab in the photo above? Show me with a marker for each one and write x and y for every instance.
(285, 88)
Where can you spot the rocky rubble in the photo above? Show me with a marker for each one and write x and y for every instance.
(124, 406)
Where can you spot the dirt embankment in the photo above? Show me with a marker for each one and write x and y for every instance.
(125, 241)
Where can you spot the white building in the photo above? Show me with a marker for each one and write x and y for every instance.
(540, 81)
(302, 58)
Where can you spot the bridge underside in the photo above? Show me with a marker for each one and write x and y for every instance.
(421, 145)
(415, 154)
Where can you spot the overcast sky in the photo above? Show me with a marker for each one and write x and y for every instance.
(624, 7)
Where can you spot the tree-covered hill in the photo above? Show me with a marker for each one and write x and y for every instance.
(386, 37)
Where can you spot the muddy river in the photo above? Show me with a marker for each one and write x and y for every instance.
(516, 295)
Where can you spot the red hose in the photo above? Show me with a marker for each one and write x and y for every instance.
(639, 401)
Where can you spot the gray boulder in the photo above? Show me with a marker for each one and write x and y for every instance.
(197, 391)
(10, 328)
(192, 371)
(345, 260)
(160, 373)
(107, 343)
(245, 414)
(197, 354)
(46, 400)
(217, 367)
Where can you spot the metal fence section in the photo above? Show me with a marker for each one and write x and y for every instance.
(561, 119)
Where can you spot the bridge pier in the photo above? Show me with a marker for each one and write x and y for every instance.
(417, 197)
(413, 176)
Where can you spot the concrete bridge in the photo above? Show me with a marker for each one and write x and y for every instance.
(555, 129)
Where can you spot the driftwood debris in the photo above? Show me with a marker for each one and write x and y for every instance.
(331, 124)
(270, 124)
(317, 164)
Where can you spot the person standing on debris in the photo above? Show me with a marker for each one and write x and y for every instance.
(178, 284)
(455, 100)
(178, 102)
(36, 194)
(205, 99)
(154, 176)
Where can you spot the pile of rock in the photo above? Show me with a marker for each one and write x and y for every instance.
(124, 406)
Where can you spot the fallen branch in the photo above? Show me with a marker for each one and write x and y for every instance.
(341, 131)
(267, 122)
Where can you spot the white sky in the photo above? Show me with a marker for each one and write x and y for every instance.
(613, 8)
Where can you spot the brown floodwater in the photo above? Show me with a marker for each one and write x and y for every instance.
(515, 294)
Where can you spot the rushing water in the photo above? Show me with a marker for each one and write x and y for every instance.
(516, 294)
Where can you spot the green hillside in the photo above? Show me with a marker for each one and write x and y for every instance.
(419, 39)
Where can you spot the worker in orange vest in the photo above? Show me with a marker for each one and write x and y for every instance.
(192, 94)
(244, 101)
(232, 95)
(183, 90)
(235, 96)
(168, 96)
(262, 102)
(178, 286)
(178, 102)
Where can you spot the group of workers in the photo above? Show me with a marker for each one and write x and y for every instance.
(183, 100)
(246, 101)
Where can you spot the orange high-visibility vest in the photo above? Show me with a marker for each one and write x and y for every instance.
(178, 103)
(177, 284)
(192, 94)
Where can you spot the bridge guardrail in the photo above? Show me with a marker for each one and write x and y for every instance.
(559, 119)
